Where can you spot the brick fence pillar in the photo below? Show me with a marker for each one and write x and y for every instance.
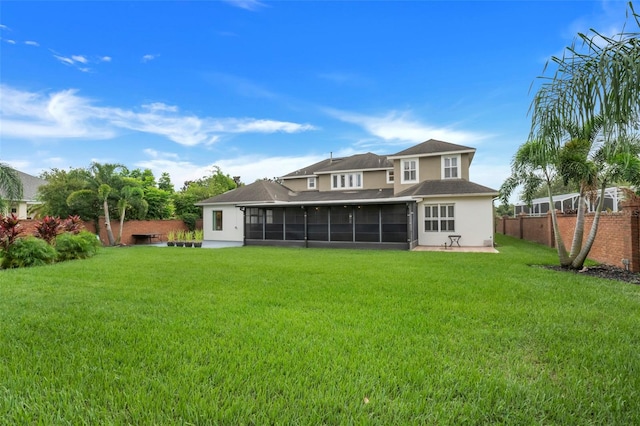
(521, 226)
(632, 209)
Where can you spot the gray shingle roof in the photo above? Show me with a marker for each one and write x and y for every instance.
(341, 196)
(432, 146)
(312, 169)
(365, 161)
(30, 185)
(446, 187)
(259, 191)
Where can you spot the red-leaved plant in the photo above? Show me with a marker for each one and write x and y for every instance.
(9, 230)
(72, 224)
(48, 228)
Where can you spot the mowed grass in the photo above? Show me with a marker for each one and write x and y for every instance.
(265, 335)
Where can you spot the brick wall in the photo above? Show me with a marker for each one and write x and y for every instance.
(131, 227)
(140, 227)
(618, 234)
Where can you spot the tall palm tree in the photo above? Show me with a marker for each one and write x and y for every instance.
(10, 186)
(534, 165)
(588, 112)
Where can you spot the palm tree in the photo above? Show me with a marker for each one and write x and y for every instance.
(130, 196)
(102, 186)
(10, 186)
(534, 165)
(586, 116)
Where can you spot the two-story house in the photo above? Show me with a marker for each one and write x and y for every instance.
(419, 196)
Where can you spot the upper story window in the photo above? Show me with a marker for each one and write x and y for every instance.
(390, 176)
(346, 180)
(410, 170)
(451, 167)
(311, 183)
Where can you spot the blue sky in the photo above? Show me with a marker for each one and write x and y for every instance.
(263, 88)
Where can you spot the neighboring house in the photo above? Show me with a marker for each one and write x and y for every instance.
(30, 185)
(419, 196)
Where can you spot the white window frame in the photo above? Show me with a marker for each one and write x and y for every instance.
(450, 168)
(439, 216)
(390, 176)
(312, 183)
(350, 180)
(414, 169)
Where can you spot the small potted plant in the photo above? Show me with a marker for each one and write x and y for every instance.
(179, 238)
(188, 239)
(171, 238)
(198, 236)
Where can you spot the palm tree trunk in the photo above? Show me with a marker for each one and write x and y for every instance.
(578, 262)
(562, 251)
(578, 232)
(124, 209)
(107, 223)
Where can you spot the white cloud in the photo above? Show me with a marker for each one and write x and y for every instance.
(79, 58)
(249, 168)
(268, 126)
(64, 60)
(4, 27)
(10, 41)
(59, 115)
(106, 59)
(32, 43)
(251, 5)
(400, 127)
(148, 57)
(65, 114)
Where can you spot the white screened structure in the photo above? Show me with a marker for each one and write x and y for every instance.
(568, 203)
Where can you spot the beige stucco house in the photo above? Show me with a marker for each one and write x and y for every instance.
(419, 196)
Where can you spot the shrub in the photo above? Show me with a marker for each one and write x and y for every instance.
(76, 246)
(9, 230)
(190, 219)
(72, 224)
(29, 251)
(48, 228)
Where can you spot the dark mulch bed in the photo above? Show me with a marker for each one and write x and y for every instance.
(603, 271)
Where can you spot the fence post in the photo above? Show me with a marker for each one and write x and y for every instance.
(632, 209)
(521, 226)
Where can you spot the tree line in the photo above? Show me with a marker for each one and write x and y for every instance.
(118, 193)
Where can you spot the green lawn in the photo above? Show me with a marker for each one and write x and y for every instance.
(264, 335)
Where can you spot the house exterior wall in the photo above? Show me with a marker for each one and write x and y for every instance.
(473, 222)
(376, 179)
(430, 168)
(20, 209)
(298, 185)
(232, 223)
